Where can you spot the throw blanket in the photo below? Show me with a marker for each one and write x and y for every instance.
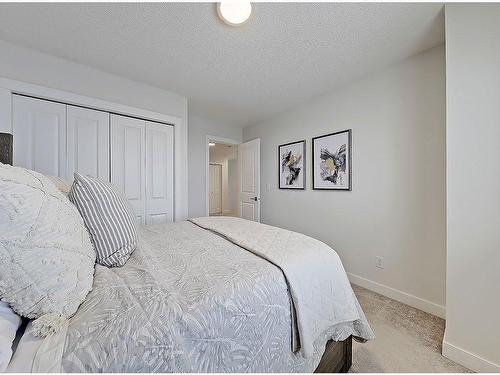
(321, 293)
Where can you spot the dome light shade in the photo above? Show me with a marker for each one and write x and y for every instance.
(234, 13)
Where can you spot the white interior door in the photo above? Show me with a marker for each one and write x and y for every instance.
(159, 173)
(249, 200)
(88, 143)
(128, 161)
(215, 189)
(39, 133)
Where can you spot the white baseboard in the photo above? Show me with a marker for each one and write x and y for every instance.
(467, 359)
(398, 295)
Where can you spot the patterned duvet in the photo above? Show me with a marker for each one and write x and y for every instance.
(187, 300)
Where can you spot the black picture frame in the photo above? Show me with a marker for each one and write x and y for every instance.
(303, 171)
(348, 162)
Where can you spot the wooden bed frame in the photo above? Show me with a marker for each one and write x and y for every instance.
(337, 356)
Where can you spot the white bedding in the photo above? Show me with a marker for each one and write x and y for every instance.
(36, 354)
(25, 353)
(9, 324)
(188, 300)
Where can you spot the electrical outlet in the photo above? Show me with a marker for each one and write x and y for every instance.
(379, 262)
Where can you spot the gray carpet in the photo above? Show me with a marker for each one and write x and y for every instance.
(407, 339)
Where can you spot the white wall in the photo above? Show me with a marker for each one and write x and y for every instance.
(199, 128)
(473, 182)
(397, 206)
(38, 68)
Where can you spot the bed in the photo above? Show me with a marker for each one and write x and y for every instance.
(208, 295)
(189, 300)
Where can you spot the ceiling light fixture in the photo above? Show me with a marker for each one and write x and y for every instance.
(211, 144)
(234, 13)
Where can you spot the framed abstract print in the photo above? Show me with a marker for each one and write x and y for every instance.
(291, 165)
(331, 161)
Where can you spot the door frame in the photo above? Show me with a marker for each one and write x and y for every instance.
(215, 139)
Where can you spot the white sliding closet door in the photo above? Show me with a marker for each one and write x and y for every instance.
(159, 173)
(39, 132)
(128, 161)
(88, 143)
(135, 155)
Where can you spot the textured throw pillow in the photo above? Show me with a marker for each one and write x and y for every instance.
(108, 217)
(46, 257)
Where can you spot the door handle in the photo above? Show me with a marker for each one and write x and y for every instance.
(256, 199)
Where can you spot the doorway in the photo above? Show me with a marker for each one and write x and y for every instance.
(223, 177)
(240, 182)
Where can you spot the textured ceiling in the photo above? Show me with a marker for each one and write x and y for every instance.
(285, 54)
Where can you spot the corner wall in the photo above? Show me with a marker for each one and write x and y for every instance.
(397, 206)
(472, 335)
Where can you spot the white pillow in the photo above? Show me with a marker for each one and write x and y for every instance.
(63, 185)
(46, 257)
(9, 323)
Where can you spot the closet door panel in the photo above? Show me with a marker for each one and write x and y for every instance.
(132, 162)
(39, 133)
(159, 173)
(88, 143)
(128, 161)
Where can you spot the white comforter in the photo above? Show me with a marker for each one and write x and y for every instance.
(190, 300)
(321, 293)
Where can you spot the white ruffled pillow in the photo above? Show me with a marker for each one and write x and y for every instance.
(46, 257)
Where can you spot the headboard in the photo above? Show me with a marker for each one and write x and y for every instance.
(6, 148)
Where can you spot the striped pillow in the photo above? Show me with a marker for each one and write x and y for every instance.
(108, 218)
